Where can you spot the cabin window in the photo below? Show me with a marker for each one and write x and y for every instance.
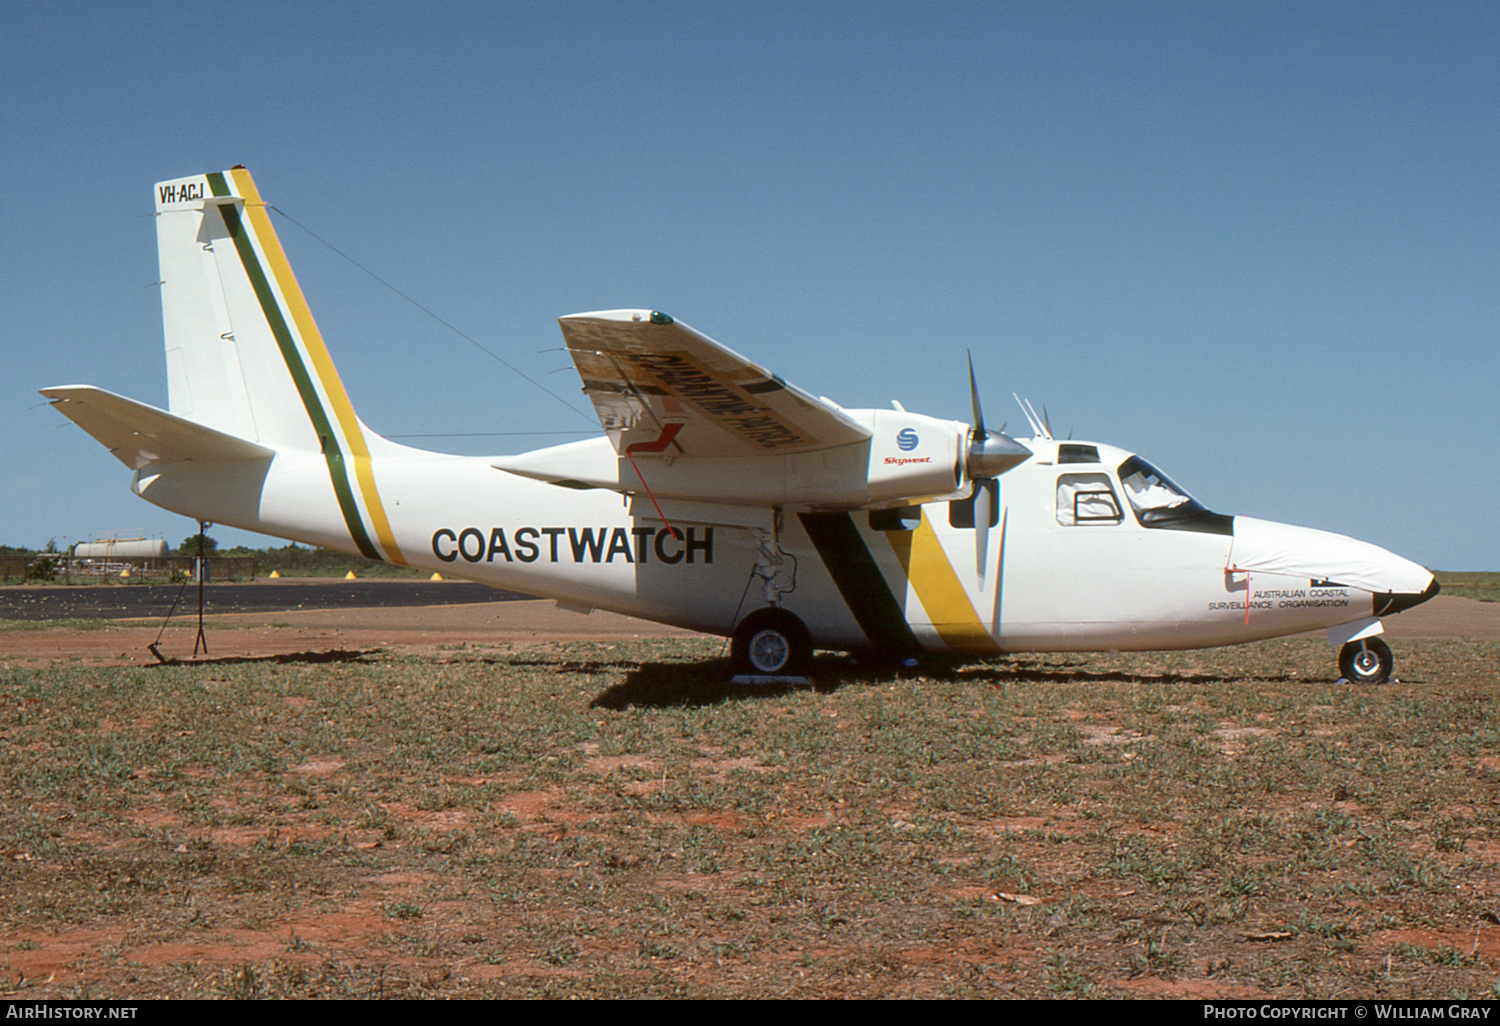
(1077, 452)
(1087, 500)
(961, 511)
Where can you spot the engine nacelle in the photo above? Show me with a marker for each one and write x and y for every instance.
(908, 459)
(912, 457)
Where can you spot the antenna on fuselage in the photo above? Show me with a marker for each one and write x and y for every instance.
(1038, 424)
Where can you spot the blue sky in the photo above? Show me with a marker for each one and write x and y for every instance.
(1257, 242)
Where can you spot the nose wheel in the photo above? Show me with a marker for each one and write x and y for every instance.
(1366, 661)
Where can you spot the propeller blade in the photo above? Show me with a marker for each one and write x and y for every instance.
(979, 432)
(990, 455)
(983, 497)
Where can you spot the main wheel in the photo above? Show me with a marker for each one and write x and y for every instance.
(1366, 661)
(771, 642)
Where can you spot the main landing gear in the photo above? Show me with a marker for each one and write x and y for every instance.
(771, 642)
(1366, 661)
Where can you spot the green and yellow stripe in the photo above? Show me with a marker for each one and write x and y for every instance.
(938, 588)
(285, 282)
(881, 615)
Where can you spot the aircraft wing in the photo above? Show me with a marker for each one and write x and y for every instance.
(659, 386)
(138, 435)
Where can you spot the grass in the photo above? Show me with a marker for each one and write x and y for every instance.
(64, 624)
(1482, 586)
(616, 820)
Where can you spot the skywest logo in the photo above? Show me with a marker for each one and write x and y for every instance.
(582, 544)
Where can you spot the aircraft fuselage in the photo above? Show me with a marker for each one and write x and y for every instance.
(1063, 573)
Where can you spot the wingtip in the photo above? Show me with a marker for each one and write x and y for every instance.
(610, 315)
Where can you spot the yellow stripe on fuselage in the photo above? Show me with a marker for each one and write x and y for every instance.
(317, 352)
(939, 590)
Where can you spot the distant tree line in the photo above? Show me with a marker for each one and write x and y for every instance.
(18, 563)
(300, 560)
(306, 561)
(21, 564)
(293, 560)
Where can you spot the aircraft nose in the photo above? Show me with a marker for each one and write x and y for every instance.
(1395, 602)
(1395, 583)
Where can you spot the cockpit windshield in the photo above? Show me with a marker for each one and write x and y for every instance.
(1158, 502)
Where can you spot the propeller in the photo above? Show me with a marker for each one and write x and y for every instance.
(991, 453)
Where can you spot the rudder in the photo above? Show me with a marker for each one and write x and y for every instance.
(244, 355)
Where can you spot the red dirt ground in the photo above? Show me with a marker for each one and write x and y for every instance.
(416, 629)
(518, 625)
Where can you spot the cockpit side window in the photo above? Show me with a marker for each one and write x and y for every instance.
(1087, 500)
(1157, 502)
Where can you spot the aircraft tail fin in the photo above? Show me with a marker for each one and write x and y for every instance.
(244, 355)
(245, 359)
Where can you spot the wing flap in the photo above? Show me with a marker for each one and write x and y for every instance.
(645, 373)
(138, 435)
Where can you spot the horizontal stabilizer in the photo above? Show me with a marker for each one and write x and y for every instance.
(139, 435)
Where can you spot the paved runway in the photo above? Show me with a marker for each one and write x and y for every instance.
(153, 601)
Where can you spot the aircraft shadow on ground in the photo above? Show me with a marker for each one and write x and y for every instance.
(656, 685)
(333, 655)
(667, 685)
(673, 685)
(1014, 673)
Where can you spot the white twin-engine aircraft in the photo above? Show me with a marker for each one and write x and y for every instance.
(720, 498)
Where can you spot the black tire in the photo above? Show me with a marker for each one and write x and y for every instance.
(770, 643)
(1366, 661)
